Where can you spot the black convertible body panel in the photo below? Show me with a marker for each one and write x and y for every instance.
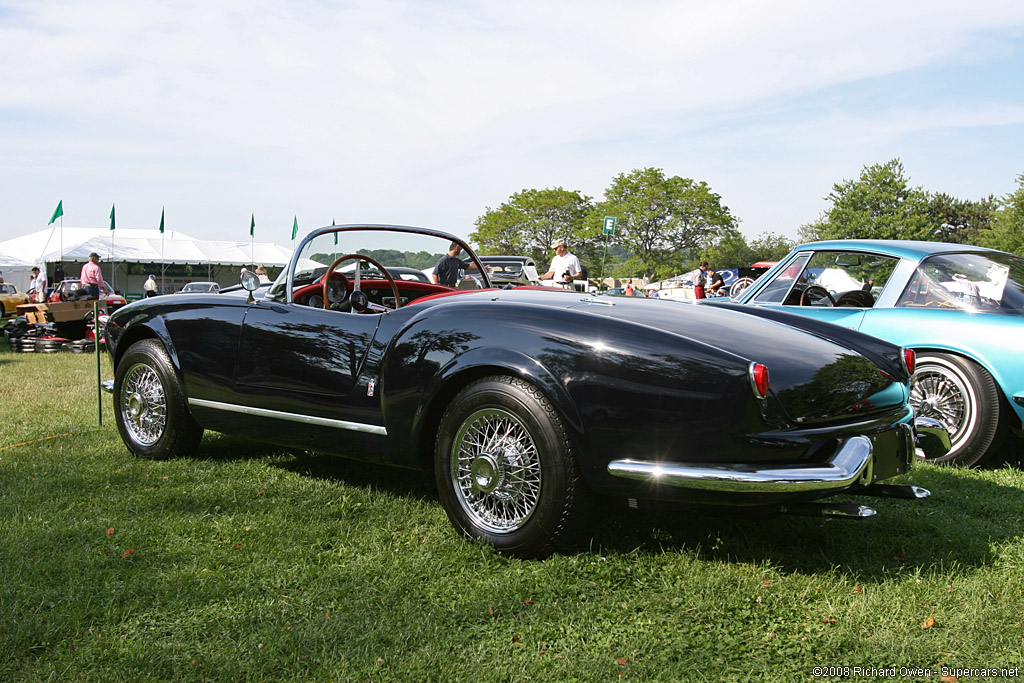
(629, 387)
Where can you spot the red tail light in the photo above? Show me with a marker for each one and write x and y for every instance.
(759, 379)
(909, 360)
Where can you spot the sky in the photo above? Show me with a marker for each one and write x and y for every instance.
(428, 113)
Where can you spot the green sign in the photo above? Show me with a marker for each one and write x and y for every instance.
(609, 225)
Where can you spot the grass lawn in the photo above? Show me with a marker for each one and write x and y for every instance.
(250, 562)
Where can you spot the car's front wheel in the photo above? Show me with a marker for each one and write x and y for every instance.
(150, 404)
(506, 470)
(962, 396)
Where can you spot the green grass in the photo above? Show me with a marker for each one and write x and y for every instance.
(249, 562)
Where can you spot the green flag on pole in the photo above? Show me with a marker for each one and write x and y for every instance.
(252, 226)
(111, 216)
(161, 221)
(58, 212)
(295, 227)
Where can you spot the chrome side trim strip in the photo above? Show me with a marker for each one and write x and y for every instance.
(108, 386)
(850, 465)
(291, 417)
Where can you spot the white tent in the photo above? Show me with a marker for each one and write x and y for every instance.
(15, 271)
(127, 245)
(71, 245)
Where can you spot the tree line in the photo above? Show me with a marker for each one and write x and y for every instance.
(667, 225)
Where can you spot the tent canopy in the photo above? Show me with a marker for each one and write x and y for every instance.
(139, 246)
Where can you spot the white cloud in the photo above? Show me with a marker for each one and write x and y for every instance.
(437, 109)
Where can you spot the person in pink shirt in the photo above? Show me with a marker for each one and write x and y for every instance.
(92, 276)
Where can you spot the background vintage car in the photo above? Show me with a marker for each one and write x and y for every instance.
(197, 287)
(524, 403)
(516, 270)
(960, 307)
(10, 299)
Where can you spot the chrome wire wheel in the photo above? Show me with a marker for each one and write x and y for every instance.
(941, 393)
(143, 404)
(496, 470)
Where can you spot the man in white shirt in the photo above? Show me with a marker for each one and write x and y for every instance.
(565, 267)
(37, 287)
(150, 286)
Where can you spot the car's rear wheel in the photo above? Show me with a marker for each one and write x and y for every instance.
(506, 470)
(150, 405)
(963, 397)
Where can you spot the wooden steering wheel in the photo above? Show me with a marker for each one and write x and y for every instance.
(359, 301)
(804, 299)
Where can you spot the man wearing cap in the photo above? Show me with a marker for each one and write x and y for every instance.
(92, 276)
(150, 286)
(37, 286)
(565, 267)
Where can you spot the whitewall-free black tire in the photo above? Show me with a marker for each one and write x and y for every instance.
(506, 469)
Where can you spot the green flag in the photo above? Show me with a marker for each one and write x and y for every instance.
(161, 221)
(252, 226)
(111, 216)
(295, 227)
(58, 212)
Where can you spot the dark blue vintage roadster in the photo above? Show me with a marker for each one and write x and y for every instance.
(525, 403)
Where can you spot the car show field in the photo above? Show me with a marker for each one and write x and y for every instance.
(249, 561)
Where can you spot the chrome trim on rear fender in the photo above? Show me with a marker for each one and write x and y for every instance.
(851, 464)
(292, 417)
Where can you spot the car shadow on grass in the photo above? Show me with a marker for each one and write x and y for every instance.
(401, 482)
(965, 523)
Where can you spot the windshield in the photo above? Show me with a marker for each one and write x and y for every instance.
(405, 250)
(976, 282)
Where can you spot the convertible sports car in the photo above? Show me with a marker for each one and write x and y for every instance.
(960, 307)
(524, 402)
(65, 291)
(10, 299)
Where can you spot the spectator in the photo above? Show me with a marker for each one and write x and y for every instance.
(449, 267)
(565, 267)
(150, 286)
(715, 283)
(701, 281)
(629, 289)
(92, 277)
(261, 273)
(37, 286)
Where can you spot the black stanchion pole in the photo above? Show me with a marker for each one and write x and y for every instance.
(99, 381)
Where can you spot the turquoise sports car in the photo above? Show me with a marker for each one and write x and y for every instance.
(960, 307)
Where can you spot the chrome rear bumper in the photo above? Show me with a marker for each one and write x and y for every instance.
(851, 464)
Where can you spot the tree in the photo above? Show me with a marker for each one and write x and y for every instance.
(729, 251)
(878, 205)
(663, 220)
(769, 247)
(813, 231)
(959, 220)
(530, 220)
(1007, 231)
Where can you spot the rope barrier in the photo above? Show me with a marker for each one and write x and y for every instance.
(50, 438)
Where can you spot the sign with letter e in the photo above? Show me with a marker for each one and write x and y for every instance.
(609, 225)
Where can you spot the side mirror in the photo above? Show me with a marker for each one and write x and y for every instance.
(250, 283)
